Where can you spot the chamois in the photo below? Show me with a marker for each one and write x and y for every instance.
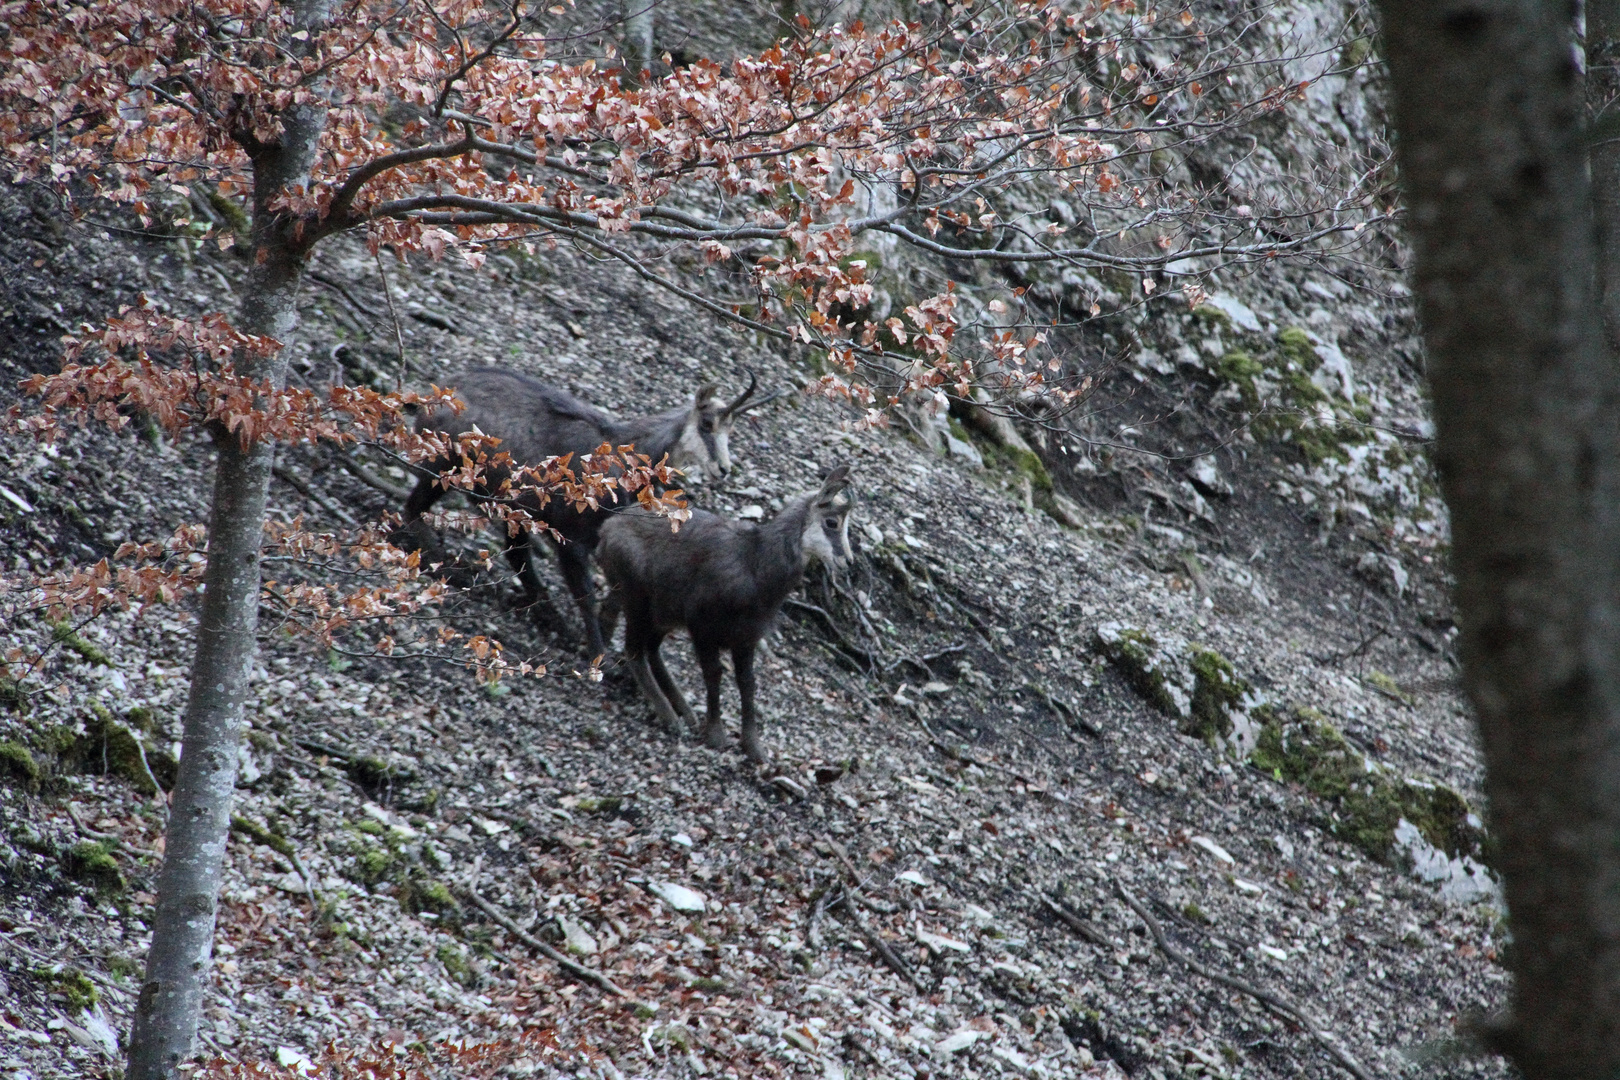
(536, 421)
(724, 581)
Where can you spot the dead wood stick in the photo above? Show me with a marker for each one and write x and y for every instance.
(320, 500)
(856, 883)
(578, 971)
(1077, 924)
(812, 932)
(897, 965)
(362, 472)
(1269, 998)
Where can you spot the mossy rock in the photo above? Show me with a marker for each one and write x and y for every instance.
(1217, 693)
(70, 986)
(92, 863)
(110, 747)
(13, 698)
(70, 639)
(1296, 348)
(1300, 746)
(18, 767)
(458, 965)
(420, 894)
(1240, 369)
(1146, 665)
(373, 864)
(374, 774)
(605, 805)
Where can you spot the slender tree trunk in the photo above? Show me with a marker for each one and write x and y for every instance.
(170, 1004)
(638, 39)
(1490, 135)
(1603, 109)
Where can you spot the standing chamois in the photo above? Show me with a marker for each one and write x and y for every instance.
(724, 581)
(536, 421)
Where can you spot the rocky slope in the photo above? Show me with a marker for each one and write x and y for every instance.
(1002, 744)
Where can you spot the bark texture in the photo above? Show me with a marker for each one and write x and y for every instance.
(638, 39)
(169, 1008)
(1489, 115)
(1603, 105)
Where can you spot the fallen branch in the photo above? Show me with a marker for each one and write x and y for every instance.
(320, 500)
(343, 291)
(1074, 922)
(361, 472)
(845, 646)
(1274, 1001)
(878, 944)
(277, 843)
(578, 971)
(93, 834)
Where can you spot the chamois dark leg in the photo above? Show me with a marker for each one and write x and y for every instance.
(655, 660)
(638, 651)
(714, 728)
(414, 534)
(574, 558)
(742, 659)
(520, 556)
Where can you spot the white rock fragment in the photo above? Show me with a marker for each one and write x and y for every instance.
(1215, 850)
(940, 944)
(1242, 316)
(576, 938)
(914, 878)
(679, 897)
(21, 503)
(1273, 952)
(289, 1057)
(958, 1042)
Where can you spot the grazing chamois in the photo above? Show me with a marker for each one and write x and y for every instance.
(536, 421)
(724, 581)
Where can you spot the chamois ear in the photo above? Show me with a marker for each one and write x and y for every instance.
(834, 482)
(705, 395)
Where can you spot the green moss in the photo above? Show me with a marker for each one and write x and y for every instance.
(1302, 747)
(372, 864)
(370, 828)
(373, 773)
(428, 894)
(1355, 52)
(1137, 655)
(231, 211)
(1240, 369)
(17, 765)
(1217, 690)
(457, 966)
(254, 831)
(600, 804)
(872, 259)
(1389, 686)
(70, 986)
(111, 747)
(1294, 344)
(92, 864)
(710, 986)
(13, 698)
(70, 639)
(1196, 914)
(1213, 316)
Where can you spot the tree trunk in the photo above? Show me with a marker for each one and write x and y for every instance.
(638, 40)
(1488, 113)
(170, 1004)
(1603, 109)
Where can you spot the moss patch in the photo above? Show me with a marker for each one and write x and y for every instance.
(372, 864)
(1217, 693)
(111, 747)
(92, 864)
(457, 965)
(71, 640)
(1138, 656)
(1300, 746)
(70, 986)
(18, 767)
(12, 696)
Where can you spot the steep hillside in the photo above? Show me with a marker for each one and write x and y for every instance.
(1045, 798)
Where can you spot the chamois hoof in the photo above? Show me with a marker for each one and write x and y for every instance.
(715, 737)
(753, 752)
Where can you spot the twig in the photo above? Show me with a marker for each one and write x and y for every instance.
(578, 971)
(1074, 922)
(313, 496)
(146, 767)
(399, 335)
(361, 472)
(343, 290)
(845, 646)
(1269, 998)
(882, 947)
(93, 834)
(280, 845)
(968, 759)
(812, 932)
(856, 883)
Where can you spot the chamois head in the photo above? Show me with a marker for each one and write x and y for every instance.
(704, 449)
(826, 521)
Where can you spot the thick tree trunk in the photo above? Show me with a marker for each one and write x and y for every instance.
(170, 1004)
(638, 39)
(1489, 119)
(1603, 109)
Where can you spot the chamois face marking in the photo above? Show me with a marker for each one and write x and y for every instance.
(826, 530)
(704, 449)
